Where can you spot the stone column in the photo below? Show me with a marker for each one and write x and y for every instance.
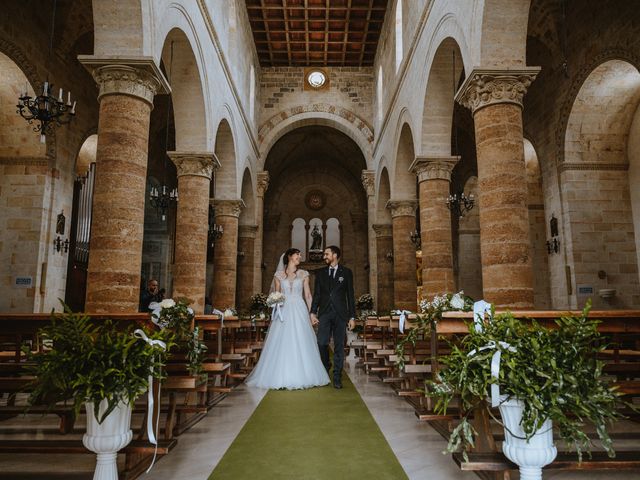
(190, 265)
(225, 257)
(261, 188)
(246, 266)
(495, 98)
(384, 261)
(434, 177)
(405, 284)
(368, 181)
(127, 88)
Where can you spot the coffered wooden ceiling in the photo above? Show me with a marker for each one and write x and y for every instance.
(316, 32)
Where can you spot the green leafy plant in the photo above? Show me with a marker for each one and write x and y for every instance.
(178, 318)
(553, 371)
(430, 314)
(91, 362)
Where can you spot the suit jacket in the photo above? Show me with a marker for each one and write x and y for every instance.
(336, 292)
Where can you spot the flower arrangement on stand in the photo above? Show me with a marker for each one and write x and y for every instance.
(258, 305)
(364, 305)
(178, 318)
(430, 314)
(546, 376)
(104, 367)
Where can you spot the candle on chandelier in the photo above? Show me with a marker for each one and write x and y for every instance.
(60, 96)
(69, 98)
(45, 88)
(73, 109)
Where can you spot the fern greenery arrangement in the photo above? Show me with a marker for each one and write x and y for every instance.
(554, 372)
(91, 362)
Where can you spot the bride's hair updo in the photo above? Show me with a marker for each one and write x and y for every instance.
(287, 255)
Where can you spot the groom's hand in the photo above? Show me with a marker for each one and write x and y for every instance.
(352, 324)
(314, 319)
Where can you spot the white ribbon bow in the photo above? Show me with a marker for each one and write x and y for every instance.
(218, 312)
(479, 309)
(277, 314)
(403, 318)
(138, 333)
(495, 367)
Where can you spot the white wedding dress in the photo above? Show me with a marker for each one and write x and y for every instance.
(290, 357)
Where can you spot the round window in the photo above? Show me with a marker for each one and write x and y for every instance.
(316, 79)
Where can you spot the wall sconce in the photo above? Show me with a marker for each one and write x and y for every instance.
(416, 240)
(389, 256)
(59, 245)
(553, 245)
(459, 204)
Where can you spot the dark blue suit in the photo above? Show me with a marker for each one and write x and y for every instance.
(334, 304)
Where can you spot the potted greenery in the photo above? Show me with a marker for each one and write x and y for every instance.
(103, 367)
(542, 377)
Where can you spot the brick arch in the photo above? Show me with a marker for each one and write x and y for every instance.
(346, 121)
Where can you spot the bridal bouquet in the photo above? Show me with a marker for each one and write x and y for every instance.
(275, 300)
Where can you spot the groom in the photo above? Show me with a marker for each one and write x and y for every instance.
(333, 304)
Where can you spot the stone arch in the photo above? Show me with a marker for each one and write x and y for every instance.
(596, 164)
(86, 155)
(125, 30)
(183, 73)
(403, 183)
(437, 114)
(226, 187)
(248, 213)
(502, 33)
(341, 119)
(383, 190)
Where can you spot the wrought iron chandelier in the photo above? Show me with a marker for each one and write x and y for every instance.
(46, 109)
(416, 240)
(163, 198)
(459, 204)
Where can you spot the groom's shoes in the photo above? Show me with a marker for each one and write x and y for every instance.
(337, 383)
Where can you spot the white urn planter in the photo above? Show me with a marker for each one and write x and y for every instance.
(530, 455)
(107, 438)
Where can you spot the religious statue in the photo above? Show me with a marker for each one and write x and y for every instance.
(317, 238)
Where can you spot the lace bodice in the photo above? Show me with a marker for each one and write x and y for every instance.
(292, 286)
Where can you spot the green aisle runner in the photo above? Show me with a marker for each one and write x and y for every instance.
(321, 433)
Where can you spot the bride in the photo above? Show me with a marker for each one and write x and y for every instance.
(290, 357)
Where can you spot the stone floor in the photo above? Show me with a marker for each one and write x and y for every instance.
(417, 446)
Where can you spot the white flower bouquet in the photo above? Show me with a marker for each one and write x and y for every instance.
(275, 298)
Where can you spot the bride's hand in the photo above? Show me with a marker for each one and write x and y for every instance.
(314, 319)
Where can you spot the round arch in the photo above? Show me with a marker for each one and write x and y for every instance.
(226, 187)
(403, 183)
(324, 115)
(437, 114)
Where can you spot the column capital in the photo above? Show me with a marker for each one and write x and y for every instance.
(228, 208)
(369, 182)
(402, 208)
(434, 168)
(262, 183)
(247, 231)
(136, 76)
(383, 229)
(197, 164)
(484, 87)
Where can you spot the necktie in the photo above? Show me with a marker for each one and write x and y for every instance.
(332, 272)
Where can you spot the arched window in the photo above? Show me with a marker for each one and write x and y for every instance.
(298, 236)
(399, 50)
(333, 232)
